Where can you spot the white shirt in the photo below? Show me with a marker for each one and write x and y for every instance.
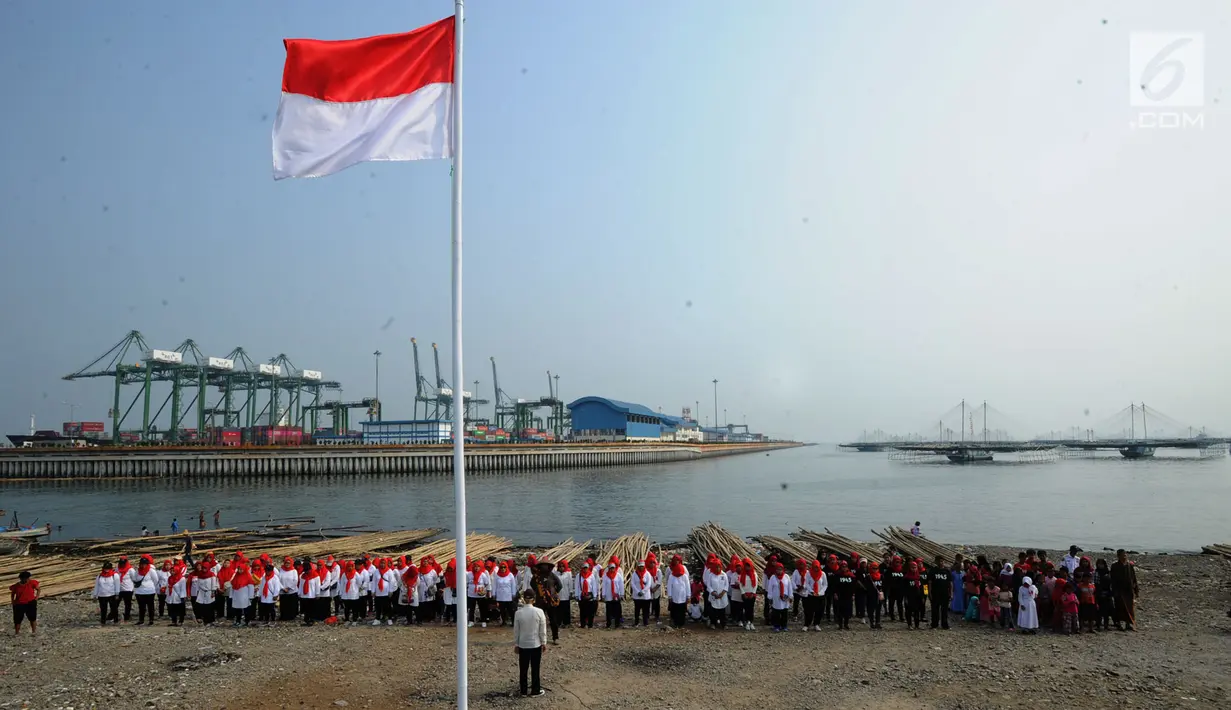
(427, 585)
(566, 585)
(106, 586)
(332, 582)
(178, 592)
(241, 597)
(371, 576)
(529, 627)
(525, 576)
(484, 582)
(205, 590)
(807, 589)
(313, 588)
(352, 588)
(642, 582)
(719, 591)
(612, 590)
(1071, 563)
(384, 583)
(779, 591)
(733, 581)
(678, 589)
(273, 583)
(163, 576)
(581, 581)
(145, 583)
(128, 580)
(505, 588)
(749, 586)
(656, 584)
(288, 580)
(409, 596)
(797, 583)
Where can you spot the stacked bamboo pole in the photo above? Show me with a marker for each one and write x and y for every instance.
(712, 537)
(916, 545)
(831, 542)
(567, 550)
(479, 546)
(787, 550)
(1218, 549)
(630, 549)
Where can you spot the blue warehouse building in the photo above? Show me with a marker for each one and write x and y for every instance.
(602, 419)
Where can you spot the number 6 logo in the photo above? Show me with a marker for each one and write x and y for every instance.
(1166, 69)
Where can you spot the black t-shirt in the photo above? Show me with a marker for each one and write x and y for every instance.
(896, 581)
(939, 583)
(844, 585)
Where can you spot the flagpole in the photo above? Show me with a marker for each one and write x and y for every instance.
(459, 405)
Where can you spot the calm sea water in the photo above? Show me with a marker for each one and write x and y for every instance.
(1172, 502)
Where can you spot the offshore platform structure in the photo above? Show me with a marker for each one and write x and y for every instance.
(437, 398)
(190, 372)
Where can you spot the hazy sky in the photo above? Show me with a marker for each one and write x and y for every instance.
(874, 209)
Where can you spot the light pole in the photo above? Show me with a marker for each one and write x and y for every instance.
(696, 413)
(377, 396)
(715, 402)
(724, 416)
(72, 408)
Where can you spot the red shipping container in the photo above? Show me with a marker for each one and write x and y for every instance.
(93, 427)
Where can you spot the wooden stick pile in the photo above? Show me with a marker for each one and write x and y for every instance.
(712, 537)
(630, 549)
(1218, 549)
(479, 546)
(916, 545)
(831, 542)
(567, 550)
(788, 550)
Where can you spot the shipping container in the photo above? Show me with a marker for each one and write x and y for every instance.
(168, 356)
(220, 363)
(310, 374)
(93, 426)
(267, 369)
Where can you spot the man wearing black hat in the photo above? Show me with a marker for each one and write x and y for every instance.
(546, 588)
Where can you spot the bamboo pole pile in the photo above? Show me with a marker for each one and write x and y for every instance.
(712, 537)
(351, 545)
(630, 549)
(787, 550)
(479, 546)
(1217, 549)
(567, 550)
(916, 545)
(831, 542)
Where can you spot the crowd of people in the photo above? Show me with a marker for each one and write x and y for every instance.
(1074, 595)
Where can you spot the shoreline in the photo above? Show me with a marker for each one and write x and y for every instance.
(1177, 659)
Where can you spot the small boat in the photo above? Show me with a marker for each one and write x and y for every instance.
(1137, 452)
(969, 456)
(16, 531)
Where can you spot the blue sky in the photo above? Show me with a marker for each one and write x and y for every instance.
(874, 210)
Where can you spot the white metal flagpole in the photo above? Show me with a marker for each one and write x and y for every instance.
(459, 405)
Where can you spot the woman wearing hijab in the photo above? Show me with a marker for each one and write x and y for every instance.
(873, 596)
(611, 590)
(642, 584)
(145, 586)
(587, 595)
(204, 592)
(679, 588)
(268, 590)
(309, 588)
(895, 590)
(1027, 612)
(913, 582)
(566, 592)
(718, 591)
(177, 594)
(351, 588)
(957, 576)
(450, 592)
(163, 574)
(107, 592)
(746, 594)
(656, 589)
(812, 588)
(505, 589)
(779, 591)
(844, 595)
(478, 587)
(288, 586)
(242, 585)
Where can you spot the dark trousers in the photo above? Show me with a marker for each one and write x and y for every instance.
(324, 605)
(177, 612)
(678, 614)
(127, 598)
(873, 605)
(109, 610)
(827, 605)
(451, 612)
(842, 611)
(641, 611)
(735, 608)
(529, 659)
(750, 604)
(779, 617)
(914, 611)
(940, 612)
(811, 607)
(586, 611)
(718, 617)
(566, 613)
(162, 605)
(383, 608)
(203, 613)
(860, 600)
(795, 605)
(615, 614)
(269, 612)
(307, 607)
(145, 604)
(553, 619)
(656, 607)
(477, 609)
(353, 609)
(507, 610)
(288, 606)
(895, 602)
(245, 615)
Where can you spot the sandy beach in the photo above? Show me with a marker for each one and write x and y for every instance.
(1179, 657)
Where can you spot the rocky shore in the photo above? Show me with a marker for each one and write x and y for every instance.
(1180, 657)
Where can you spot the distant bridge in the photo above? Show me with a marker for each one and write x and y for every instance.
(974, 451)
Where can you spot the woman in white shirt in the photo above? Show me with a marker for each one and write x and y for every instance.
(352, 587)
(586, 591)
(107, 592)
(779, 591)
(679, 588)
(505, 588)
(428, 594)
(410, 588)
(747, 592)
(288, 583)
(566, 593)
(177, 595)
(642, 584)
(386, 585)
(268, 592)
(718, 590)
(611, 590)
(309, 589)
(241, 586)
(145, 586)
(478, 589)
(204, 592)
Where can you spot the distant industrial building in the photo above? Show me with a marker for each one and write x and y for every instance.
(680, 429)
(409, 431)
(602, 419)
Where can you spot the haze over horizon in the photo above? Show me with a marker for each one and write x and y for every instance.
(851, 216)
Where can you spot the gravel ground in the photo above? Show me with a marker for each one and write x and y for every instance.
(1178, 658)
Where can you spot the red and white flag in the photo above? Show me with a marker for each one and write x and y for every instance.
(377, 98)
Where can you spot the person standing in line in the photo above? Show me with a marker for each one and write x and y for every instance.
(504, 588)
(642, 583)
(525, 576)
(895, 590)
(746, 594)
(125, 575)
(546, 590)
(797, 583)
(478, 585)
(780, 593)
(24, 598)
(350, 591)
(270, 591)
(1125, 590)
(145, 586)
(163, 575)
(611, 588)
(107, 592)
(175, 525)
(240, 593)
(288, 590)
(718, 591)
(913, 593)
(565, 577)
(844, 595)
(940, 590)
(735, 604)
(1027, 612)
(587, 596)
(678, 590)
(411, 594)
(529, 643)
(831, 570)
(309, 587)
(205, 589)
(873, 594)
(812, 589)
(177, 594)
(1106, 600)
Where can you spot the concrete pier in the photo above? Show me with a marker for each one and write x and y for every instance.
(332, 461)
